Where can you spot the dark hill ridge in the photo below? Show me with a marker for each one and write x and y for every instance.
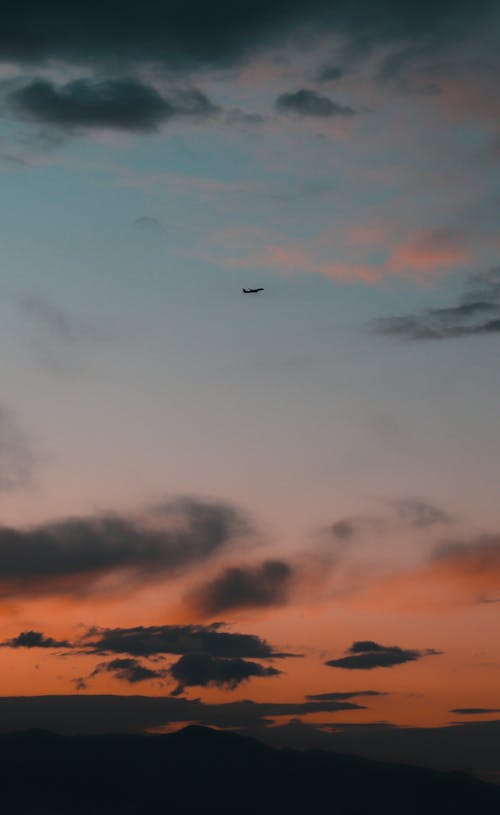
(199, 770)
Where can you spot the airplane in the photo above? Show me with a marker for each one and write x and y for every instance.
(251, 291)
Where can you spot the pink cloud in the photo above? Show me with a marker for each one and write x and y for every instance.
(429, 251)
(420, 255)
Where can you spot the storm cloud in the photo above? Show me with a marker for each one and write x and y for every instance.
(364, 655)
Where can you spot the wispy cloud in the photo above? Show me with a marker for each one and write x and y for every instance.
(476, 313)
(305, 102)
(17, 458)
(59, 339)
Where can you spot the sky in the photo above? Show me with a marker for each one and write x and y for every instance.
(275, 512)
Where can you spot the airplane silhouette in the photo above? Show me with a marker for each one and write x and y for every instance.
(251, 291)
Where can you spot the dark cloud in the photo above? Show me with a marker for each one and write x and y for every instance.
(128, 670)
(124, 103)
(329, 73)
(309, 103)
(205, 670)
(243, 119)
(34, 639)
(477, 313)
(344, 530)
(17, 460)
(223, 33)
(267, 584)
(481, 555)
(148, 222)
(178, 639)
(420, 513)
(340, 695)
(364, 655)
(71, 556)
(474, 711)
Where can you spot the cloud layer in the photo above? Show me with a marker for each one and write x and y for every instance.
(221, 33)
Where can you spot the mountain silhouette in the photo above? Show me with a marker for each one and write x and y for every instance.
(200, 770)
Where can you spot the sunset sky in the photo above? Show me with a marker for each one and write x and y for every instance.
(290, 497)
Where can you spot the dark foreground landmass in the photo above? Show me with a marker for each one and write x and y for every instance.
(199, 770)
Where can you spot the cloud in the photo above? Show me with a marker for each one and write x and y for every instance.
(242, 118)
(56, 336)
(309, 103)
(128, 670)
(223, 33)
(34, 639)
(178, 639)
(149, 223)
(476, 313)
(17, 460)
(123, 103)
(205, 670)
(420, 514)
(344, 530)
(341, 695)
(453, 573)
(71, 556)
(267, 584)
(474, 711)
(419, 254)
(364, 655)
(329, 73)
(471, 566)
